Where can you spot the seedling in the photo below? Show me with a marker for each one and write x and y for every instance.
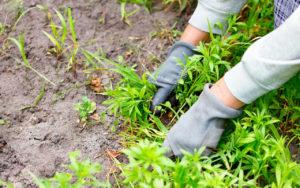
(5, 42)
(25, 62)
(85, 108)
(58, 39)
(18, 9)
(44, 8)
(37, 99)
(125, 15)
(2, 29)
(75, 44)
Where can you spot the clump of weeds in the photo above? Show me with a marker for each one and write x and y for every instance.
(81, 174)
(59, 36)
(132, 95)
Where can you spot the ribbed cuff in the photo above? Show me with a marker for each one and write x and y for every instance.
(204, 16)
(242, 85)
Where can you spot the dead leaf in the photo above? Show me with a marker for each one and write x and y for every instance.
(96, 85)
(95, 117)
(112, 154)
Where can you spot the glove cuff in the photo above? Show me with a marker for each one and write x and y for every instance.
(221, 110)
(201, 125)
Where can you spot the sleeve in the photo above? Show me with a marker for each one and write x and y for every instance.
(215, 11)
(267, 63)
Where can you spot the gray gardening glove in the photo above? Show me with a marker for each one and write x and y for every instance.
(170, 72)
(201, 125)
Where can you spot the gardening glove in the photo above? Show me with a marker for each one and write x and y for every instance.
(201, 125)
(170, 71)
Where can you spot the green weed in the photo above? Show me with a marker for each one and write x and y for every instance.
(73, 51)
(148, 167)
(58, 39)
(2, 29)
(125, 15)
(4, 25)
(83, 174)
(132, 95)
(85, 108)
(37, 99)
(20, 45)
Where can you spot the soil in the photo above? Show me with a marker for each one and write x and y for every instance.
(39, 139)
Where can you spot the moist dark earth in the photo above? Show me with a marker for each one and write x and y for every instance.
(39, 139)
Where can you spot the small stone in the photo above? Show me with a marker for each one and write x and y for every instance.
(33, 119)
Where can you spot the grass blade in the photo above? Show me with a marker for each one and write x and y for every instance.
(71, 22)
(40, 95)
(64, 25)
(53, 40)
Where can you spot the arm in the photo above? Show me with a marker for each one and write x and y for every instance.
(209, 11)
(268, 63)
(215, 11)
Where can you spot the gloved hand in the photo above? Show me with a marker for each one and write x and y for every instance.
(201, 125)
(170, 72)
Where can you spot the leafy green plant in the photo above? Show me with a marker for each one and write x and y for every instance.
(83, 174)
(132, 95)
(207, 66)
(148, 167)
(85, 108)
(143, 157)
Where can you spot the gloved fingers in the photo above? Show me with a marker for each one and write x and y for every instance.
(160, 97)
